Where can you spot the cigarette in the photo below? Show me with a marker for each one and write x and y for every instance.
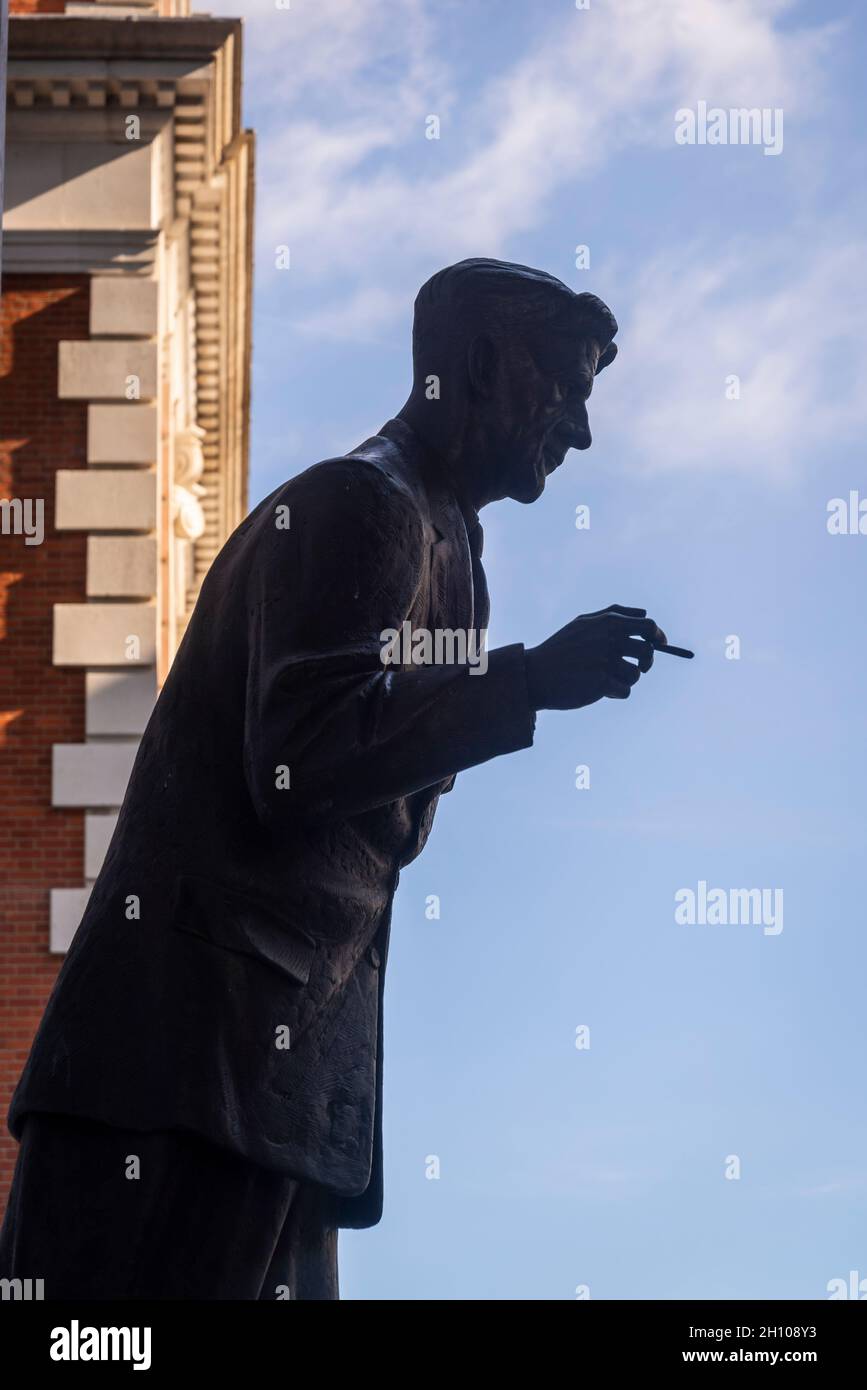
(674, 651)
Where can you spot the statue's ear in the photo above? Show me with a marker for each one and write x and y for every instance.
(607, 358)
(482, 365)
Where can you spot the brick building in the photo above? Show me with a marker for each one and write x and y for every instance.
(124, 393)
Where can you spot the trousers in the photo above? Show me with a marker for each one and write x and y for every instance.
(104, 1213)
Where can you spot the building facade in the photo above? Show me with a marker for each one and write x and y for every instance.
(124, 407)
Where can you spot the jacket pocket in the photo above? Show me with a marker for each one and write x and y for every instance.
(229, 919)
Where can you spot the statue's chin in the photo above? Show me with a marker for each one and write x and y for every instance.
(530, 482)
(552, 459)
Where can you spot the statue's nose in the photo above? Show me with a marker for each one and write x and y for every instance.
(575, 432)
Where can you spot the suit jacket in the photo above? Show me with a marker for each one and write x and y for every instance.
(227, 975)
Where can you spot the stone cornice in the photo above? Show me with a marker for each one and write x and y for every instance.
(198, 37)
(80, 71)
(88, 253)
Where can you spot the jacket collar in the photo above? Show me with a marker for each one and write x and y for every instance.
(414, 448)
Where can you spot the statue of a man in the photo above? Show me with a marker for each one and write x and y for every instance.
(201, 1108)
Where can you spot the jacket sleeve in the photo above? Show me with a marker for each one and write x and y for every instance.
(330, 732)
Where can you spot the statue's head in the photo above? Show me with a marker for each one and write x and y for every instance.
(507, 356)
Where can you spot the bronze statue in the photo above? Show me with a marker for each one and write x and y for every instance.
(201, 1108)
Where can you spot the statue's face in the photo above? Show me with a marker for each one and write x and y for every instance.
(544, 389)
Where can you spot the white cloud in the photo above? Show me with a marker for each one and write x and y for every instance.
(320, 50)
(783, 314)
(349, 177)
(370, 207)
(357, 319)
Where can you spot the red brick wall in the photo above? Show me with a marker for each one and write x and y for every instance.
(37, 6)
(40, 704)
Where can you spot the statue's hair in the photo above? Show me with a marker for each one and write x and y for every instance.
(480, 295)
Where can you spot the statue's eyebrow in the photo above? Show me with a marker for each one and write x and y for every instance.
(564, 368)
(577, 376)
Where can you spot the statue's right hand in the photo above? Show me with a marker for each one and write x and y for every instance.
(587, 659)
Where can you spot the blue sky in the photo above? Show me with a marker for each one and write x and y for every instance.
(606, 1166)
